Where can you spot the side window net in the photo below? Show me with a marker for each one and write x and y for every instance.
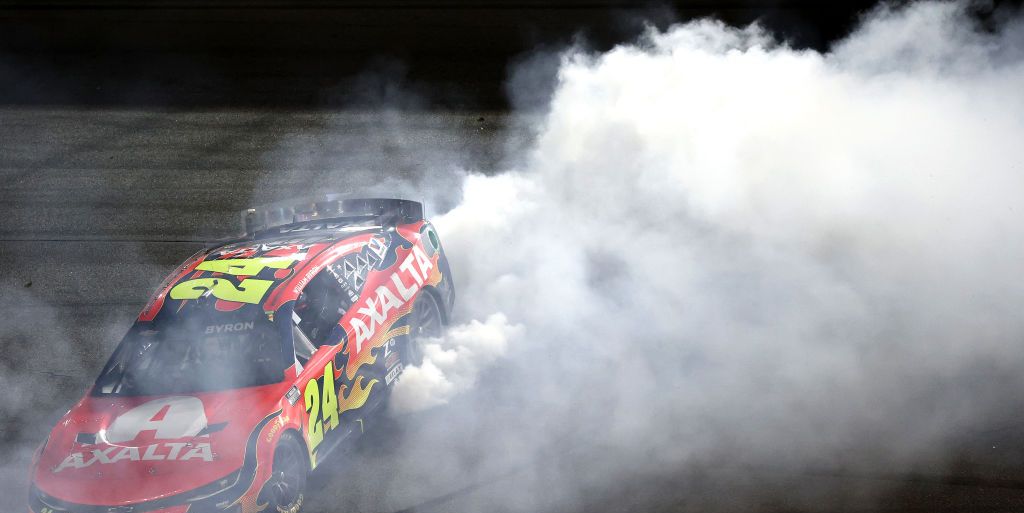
(321, 305)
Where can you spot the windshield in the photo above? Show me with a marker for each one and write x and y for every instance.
(199, 352)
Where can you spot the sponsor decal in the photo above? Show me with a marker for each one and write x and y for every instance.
(292, 395)
(374, 310)
(228, 328)
(167, 451)
(337, 271)
(167, 418)
(275, 428)
(379, 246)
(393, 374)
(314, 269)
(391, 356)
(354, 268)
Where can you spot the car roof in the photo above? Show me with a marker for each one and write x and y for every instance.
(306, 242)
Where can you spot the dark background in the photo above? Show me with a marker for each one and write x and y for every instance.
(275, 54)
(130, 132)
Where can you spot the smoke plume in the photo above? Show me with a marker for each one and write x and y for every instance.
(722, 249)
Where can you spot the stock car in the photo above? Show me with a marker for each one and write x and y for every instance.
(255, 360)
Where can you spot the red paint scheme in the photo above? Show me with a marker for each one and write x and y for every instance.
(147, 480)
(136, 478)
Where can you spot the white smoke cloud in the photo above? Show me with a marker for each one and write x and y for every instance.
(451, 363)
(718, 243)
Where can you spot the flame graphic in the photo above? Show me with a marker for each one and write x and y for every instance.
(356, 397)
(435, 273)
(366, 356)
(397, 332)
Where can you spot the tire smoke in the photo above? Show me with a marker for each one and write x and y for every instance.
(720, 248)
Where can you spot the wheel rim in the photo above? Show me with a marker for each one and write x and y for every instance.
(288, 479)
(428, 320)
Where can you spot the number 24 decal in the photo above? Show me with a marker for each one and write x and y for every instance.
(250, 290)
(317, 402)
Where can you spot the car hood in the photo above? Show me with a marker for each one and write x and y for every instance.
(123, 450)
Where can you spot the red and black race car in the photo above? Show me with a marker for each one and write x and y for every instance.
(254, 360)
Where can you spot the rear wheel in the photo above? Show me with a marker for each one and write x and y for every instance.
(426, 323)
(286, 488)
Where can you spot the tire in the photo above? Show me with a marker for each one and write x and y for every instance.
(285, 491)
(426, 322)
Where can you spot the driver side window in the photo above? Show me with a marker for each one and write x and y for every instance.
(318, 309)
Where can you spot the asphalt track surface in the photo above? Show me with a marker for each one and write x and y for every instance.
(98, 205)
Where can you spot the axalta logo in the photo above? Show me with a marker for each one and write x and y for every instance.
(170, 451)
(411, 275)
(164, 419)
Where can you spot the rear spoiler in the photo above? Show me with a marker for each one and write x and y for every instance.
(324, 207)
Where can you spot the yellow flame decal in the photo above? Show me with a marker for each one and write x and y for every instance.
(397, 332)
(356, 397)
(435, 273)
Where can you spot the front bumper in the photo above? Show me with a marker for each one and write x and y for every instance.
(220, 496)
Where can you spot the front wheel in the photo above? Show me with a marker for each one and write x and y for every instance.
(426, 323)
(285, 491)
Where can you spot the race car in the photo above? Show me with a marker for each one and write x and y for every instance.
(255, 360)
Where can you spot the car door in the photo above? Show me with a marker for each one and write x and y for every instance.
(316, 339)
